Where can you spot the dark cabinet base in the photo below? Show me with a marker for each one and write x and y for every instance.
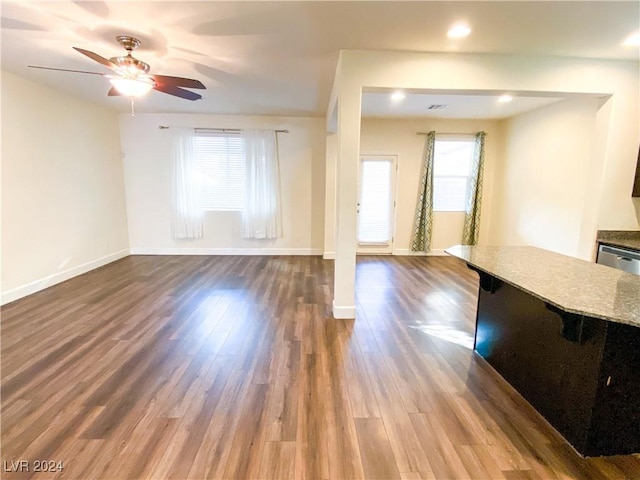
(582, 374)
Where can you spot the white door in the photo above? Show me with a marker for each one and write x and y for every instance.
(376, 204)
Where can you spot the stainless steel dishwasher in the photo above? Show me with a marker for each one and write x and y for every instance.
(619, 258)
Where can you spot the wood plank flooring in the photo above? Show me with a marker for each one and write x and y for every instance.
(200, 367)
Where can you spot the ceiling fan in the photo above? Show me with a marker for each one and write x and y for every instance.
(132, 77)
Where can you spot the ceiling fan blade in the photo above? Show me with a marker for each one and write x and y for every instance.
(97, 58)
(65, 70)
(177, 81)
(113, 92)
(178, 92)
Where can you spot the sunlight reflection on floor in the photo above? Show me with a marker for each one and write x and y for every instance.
(447, 334)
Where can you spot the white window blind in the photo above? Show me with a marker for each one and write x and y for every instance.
(220, 166)
(451, 174)
(374, 218)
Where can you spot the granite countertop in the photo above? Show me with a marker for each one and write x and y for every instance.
(571, 284)
(620, 238)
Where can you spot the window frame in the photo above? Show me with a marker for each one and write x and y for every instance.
(239, 154)
(461, 138)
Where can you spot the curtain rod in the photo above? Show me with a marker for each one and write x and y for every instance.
(447, 133)
(222, 130)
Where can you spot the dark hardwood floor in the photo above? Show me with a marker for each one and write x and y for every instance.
(231, 367)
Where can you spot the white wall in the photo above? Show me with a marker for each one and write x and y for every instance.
(544, 178)
(147, 165)
(330, 196)
(398, 137)
(63, 206)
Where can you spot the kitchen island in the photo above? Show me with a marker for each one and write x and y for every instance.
(619, 238)
(565, 333)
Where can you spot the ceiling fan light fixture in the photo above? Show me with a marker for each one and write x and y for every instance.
(131, 77)
(131, 87)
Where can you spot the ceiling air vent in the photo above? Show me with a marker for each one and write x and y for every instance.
(436, 106)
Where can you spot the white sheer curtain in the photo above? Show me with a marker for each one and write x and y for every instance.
(261, 217)
(186, 221)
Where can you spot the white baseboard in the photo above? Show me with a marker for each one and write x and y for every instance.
(403, 252)
(59, 277)
(407, 253)
(343, 312)
(225, 251)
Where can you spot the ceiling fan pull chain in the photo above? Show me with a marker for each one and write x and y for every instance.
(132, 111)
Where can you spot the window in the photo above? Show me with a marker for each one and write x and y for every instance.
(220, 167)
(452, 163)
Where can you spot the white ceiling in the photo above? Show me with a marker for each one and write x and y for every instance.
(381, 104)
(278, 58)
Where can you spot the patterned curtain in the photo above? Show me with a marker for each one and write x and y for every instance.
(474, 197)
(423, 225)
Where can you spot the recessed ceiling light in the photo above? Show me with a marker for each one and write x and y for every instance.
(397, 96)
(632, 40)
(459, 30)
(505, 98)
